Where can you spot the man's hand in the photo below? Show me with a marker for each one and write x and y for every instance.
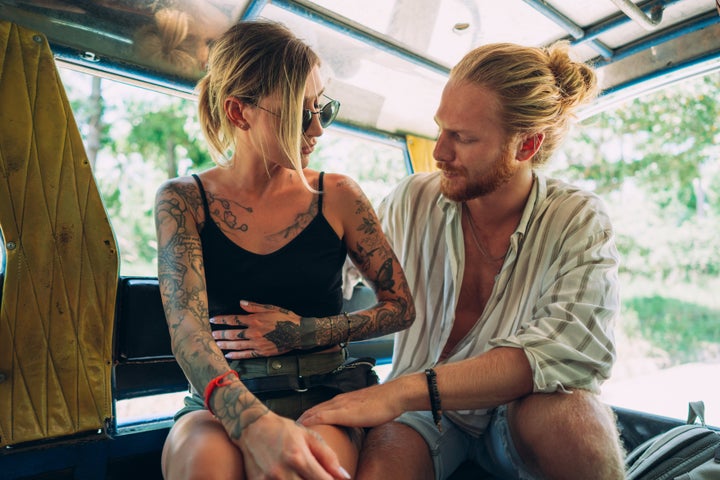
(368, 407)
(267, 331)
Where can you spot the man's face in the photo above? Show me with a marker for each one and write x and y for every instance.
(472, 150)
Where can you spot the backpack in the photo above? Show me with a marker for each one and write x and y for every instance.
(686, 452)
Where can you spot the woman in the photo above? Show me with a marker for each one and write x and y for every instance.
(250, 254)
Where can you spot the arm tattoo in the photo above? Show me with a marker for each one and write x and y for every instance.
(239, 409)
(182, 285)
(375, 258)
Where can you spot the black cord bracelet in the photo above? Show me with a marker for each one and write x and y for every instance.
(435, 406)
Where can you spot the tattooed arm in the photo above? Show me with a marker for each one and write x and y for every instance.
(371, 253)
(182, 286)
(267, 441)
(272, 330)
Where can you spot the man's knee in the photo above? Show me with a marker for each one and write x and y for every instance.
(561, 426)
(396, 451)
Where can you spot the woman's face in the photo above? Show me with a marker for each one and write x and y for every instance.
(269, 120)
(313, 94)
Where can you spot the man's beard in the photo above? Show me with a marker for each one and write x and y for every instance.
(500, 173)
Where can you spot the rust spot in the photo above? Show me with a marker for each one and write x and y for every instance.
(65, 234)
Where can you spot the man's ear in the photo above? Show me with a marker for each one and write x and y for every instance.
(529, 146)
(235, 112)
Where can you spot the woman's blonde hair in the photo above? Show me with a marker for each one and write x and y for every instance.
(251, 61)
(539, 89)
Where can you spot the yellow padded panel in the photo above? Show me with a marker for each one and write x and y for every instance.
(421, 150)
(57, 311)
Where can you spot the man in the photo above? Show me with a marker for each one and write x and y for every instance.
(515, 284)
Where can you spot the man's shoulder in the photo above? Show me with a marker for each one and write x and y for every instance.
(559, 191)
(565, 202)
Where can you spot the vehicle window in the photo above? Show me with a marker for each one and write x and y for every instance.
(655, 161)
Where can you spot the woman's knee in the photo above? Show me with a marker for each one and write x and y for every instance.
(343, 444)
(198, 447)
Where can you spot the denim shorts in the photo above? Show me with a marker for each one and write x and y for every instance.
(494, 451)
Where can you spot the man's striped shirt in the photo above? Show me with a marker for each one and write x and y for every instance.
(556, 296)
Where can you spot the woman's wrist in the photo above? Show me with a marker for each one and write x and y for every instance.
(324, 331)
(237, 409)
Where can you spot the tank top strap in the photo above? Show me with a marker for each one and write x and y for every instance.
(206, 207)
(320, 188)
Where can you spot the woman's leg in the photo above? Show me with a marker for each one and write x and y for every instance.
(198, 447)
(339, 440)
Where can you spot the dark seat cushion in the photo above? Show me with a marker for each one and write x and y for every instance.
(142, 332)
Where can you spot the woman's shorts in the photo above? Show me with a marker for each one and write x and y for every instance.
(290, 384)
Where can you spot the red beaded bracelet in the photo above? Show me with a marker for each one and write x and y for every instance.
(217, 382)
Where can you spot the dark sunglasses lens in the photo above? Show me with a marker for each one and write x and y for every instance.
(329, 112)
(306, 119)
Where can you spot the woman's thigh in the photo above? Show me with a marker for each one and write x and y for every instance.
(198, 447)
(342, 444)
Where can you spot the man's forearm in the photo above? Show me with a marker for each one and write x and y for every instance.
(494, 378)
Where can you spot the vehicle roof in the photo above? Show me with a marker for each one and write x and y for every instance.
(387, 60)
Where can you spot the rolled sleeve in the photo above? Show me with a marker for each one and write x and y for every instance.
(569, 341)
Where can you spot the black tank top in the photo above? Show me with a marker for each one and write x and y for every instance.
(304, 276)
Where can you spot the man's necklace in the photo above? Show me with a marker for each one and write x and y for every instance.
(482, 249)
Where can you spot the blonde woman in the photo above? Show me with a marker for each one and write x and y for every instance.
(250, 254)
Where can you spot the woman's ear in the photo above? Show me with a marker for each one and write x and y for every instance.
(235, 111)
(529, 146)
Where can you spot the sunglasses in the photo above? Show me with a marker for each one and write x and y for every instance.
(327, 113)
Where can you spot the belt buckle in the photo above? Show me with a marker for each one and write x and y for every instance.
(301, 385)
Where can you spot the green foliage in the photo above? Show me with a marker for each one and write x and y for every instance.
(662, 142)
(685, 330)
(163, 131)
(656, 163)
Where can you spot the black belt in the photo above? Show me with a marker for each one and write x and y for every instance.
(279, 383)
(341, 378)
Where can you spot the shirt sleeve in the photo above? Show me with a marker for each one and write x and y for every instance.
(569, 338)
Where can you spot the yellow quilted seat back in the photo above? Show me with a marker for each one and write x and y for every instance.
(58, 299)
(421, 153)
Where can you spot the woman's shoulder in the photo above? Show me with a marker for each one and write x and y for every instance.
(339, 181)
(183, 192)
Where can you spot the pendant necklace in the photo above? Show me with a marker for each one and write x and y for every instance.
(482, 249)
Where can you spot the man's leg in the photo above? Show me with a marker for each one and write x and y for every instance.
(395, 451)
(413, 448)
(567, 436)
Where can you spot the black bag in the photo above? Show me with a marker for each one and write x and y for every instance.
(687, 452)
